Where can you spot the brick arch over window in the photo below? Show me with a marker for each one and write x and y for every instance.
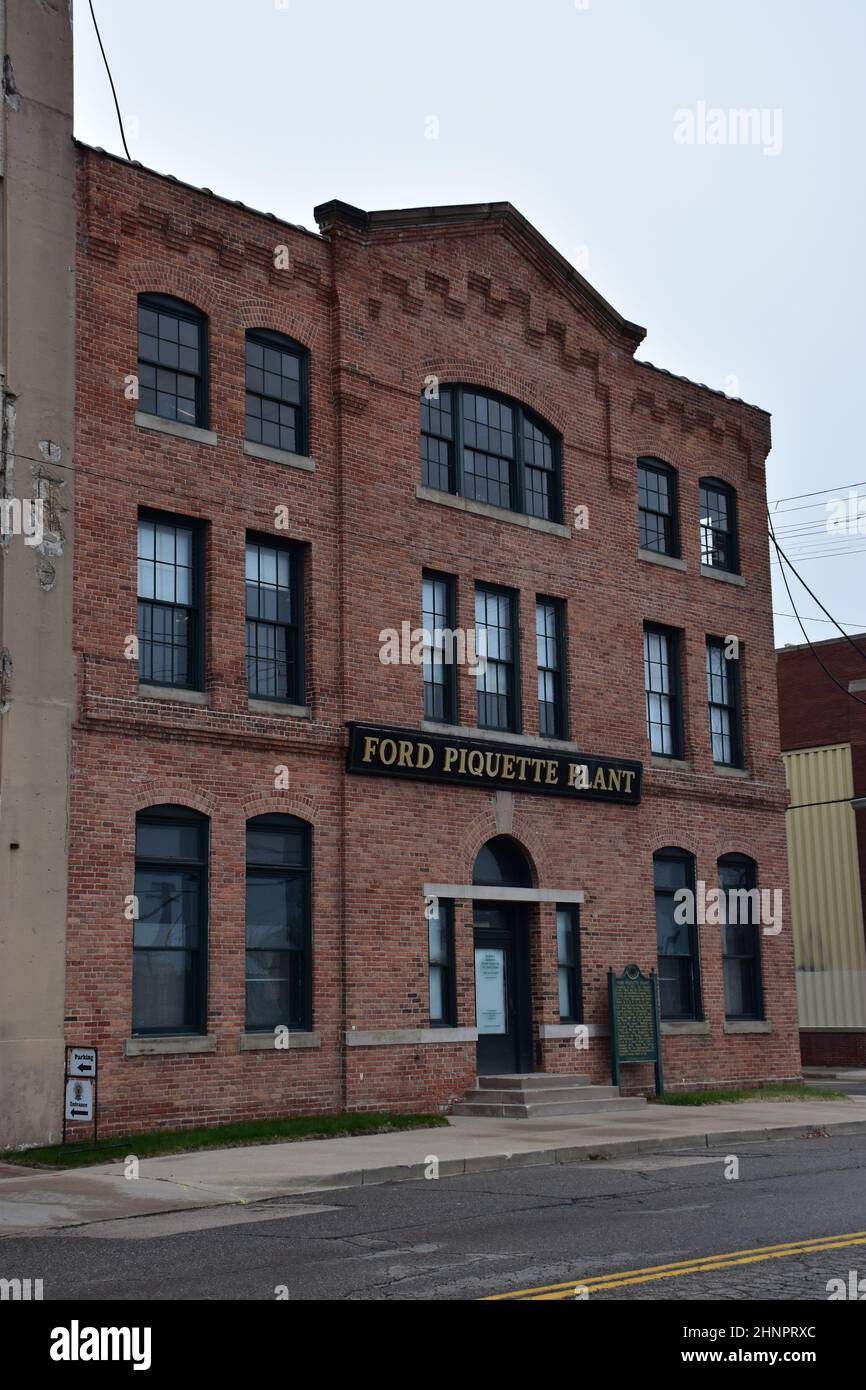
(486, 830)
(280, 804)
(264, 312)
(460, 372)
(173, 792)
(148, 277)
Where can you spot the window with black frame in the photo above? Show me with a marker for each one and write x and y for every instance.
(278, 924)
(662, 687)
(490, 448)
(440, 942)
(723, 696)
(719, 545)
(169, 601)
(496, 632)
(568, 963)
(550, 653)
(276, 392)
(657, 507)
(170, 928)
(741, 937)
(274, 616)
(676, 935)
(440, 670)
(172, 360)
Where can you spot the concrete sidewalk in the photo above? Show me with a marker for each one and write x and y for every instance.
(101, 1199)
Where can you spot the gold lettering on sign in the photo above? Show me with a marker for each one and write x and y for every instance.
(508, 766)
(405, 753)
(370, 746)
(598, 781)
(450, 758)
(614, 779)
(476, 763)
(628, 778)
(491, 764)
(578, 776)
(387, 752)
(425, 757)
(552, 773)
(521, 763)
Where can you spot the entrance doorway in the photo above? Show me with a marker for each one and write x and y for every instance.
(503, 1010)
(502, 999)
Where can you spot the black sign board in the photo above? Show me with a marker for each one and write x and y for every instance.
(635, 1035)
(379, 751)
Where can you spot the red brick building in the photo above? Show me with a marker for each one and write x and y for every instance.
(252, 922)
(822, 717)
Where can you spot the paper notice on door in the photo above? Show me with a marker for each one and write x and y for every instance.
(490, 1013)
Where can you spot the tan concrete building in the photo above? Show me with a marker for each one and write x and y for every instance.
(37, 301)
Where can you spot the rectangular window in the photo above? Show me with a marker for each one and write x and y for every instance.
(568, 960)
(723, 695)
(440, 670)
(679, 986)
(549, 645)
(741, 952)
(657, 508)
(278, 927)
(718, 506)
(662, 686)
(274, 621)
(169, 601)
(169, 935)
(276, 392)
(496, 629)
(171, 361)
(440, 938)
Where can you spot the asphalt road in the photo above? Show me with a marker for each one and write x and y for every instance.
(666, 1226)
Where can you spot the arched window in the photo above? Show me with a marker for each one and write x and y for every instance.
(676, 934)
(657, 507)
(490, 448)
(170, 930)
(719, 544)
(741, 936)
(172, 360)
(502, 863)
(276, 408)
(278, 924)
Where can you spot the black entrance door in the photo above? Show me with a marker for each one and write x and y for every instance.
(502, 1007)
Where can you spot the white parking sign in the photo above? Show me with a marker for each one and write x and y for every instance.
(82, 1061)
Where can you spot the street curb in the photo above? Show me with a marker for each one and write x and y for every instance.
(576, 1153)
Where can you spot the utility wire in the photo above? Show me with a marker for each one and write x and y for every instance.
(111, 80)
(824, 667)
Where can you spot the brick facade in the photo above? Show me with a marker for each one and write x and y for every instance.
(382, 305)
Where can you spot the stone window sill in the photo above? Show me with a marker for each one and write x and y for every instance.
(670, 764)
(283, 456)
(722, 770)
(257, 706)
(686, 1027)
(288, 1042)
(180, 431)
(710, 572)
(556, 745)
(670, 562)
(177, 694)
(468, 504)
(552, 1031)
(396, 1037)
(747, 1025)
(165, 1046)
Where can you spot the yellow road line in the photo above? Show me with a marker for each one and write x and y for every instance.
(697, 1265)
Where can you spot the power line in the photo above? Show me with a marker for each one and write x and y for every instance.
(111, 80)
(798, 496)
(824, 668)
(829, 621)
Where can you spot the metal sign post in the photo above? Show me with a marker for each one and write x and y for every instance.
(80, 1089)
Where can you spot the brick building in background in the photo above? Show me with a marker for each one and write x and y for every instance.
(419, 417)
(823, 731)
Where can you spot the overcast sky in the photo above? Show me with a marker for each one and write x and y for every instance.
(745, 261)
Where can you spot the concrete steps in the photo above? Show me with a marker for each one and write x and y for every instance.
(534, 1097)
